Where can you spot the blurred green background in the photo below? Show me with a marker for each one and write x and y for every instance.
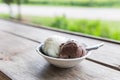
(101, 28)
(83, 3)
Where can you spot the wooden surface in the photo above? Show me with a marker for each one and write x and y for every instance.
(19, 60)
(3, 76)
(109, 54)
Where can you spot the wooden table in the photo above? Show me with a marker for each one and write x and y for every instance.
(19, 60)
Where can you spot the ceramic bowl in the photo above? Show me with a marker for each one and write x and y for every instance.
(59, 62)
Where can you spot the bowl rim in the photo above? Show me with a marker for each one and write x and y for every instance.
(60, 59)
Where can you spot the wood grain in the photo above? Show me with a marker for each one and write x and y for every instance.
(109, 54)
(26, 64)
(4, 77)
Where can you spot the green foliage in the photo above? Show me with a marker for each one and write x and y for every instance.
(60, 22)
(105, 31)
(115, 35)
(40, 20)
(8, 1)
(91, 27)
(86, 3)
(99, 28)
(4, 16)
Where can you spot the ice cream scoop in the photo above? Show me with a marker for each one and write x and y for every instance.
(71, 49)
(52, 45)
(63, 52)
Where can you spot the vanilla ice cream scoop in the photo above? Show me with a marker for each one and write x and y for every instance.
(52, 45)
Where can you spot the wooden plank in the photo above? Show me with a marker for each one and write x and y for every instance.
(107, 55)
(4, 77)
(21, 62)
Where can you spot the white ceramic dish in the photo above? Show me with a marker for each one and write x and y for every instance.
(59, 62)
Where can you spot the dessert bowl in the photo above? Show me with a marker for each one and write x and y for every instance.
(60, 62)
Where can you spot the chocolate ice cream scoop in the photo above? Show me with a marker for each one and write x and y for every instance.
(71, 49)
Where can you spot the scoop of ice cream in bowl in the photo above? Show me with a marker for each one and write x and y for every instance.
(63, 52)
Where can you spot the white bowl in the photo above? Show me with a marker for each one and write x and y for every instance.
(59, 62)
